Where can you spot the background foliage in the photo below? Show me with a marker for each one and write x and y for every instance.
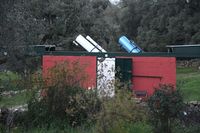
(156, 23)
(152, 24)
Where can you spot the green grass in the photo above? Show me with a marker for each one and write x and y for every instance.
(186, 70)
(18, 99)
(188, 80)
(53, 129)
(138, 127)
(9, 75)
(9, 81)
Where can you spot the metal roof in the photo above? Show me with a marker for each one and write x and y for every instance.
(115, 54)
(177, 46)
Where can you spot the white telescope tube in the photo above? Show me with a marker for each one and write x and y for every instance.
(85, 44)
(95, 44)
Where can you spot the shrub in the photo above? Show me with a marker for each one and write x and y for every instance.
(181, 128)
(165, 105)
(63, 99)
(118, 112)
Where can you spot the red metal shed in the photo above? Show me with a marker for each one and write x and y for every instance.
(146, 73)
(87, 63)
(149, 72)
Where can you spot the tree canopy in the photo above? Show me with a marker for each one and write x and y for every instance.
(152, 24)
(157, 23)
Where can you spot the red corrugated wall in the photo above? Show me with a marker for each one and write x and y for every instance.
(149, 72)
(88, 64)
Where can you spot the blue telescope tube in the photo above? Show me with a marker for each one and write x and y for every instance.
(128, 45)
